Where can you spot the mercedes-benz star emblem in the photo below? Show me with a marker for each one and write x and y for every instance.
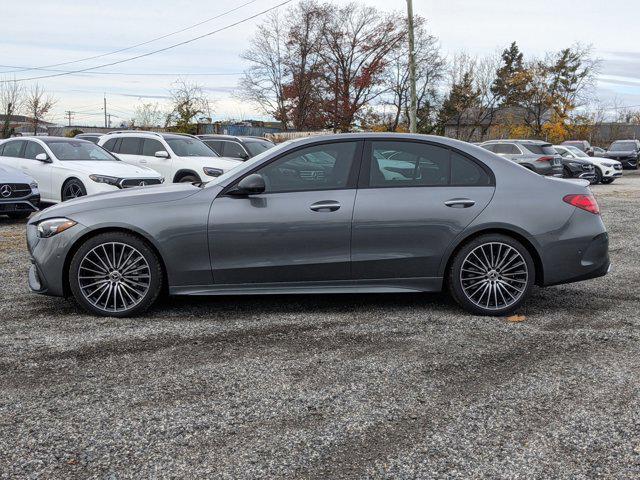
(5, 190)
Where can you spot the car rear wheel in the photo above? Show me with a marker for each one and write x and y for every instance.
(491, 275)
(73, 188)
(115, 274)
(607, 181)
(566, 173)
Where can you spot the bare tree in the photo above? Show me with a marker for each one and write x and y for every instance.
(263, 82)
(188, 101)
(358, 42)
(12, 97)
(149, 115)
(429, 72)
(38, 105)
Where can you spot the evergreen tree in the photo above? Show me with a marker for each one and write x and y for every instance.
(511, 77)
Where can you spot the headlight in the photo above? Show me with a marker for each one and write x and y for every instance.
(610, 165)
(213, 172)
(53, 226)
(34, 185)
(106, 179)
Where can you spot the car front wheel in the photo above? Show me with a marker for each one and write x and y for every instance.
(491, 275)
(73, 188)
(115, 274)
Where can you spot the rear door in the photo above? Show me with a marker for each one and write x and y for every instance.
(128, 149)
(413, 199)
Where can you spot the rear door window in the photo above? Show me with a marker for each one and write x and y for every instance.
(233, 150)
(130, 146)
(13, 149)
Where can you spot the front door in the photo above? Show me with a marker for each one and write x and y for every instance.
(162, 165)
(40, 171)
(414, 198)
(299, 229)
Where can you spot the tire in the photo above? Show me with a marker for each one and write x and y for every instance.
(566, 173)
(598, 178)
(474, 288)
(18, 215)
(126, 290)
(607, 181)
(73, 188)
(189, 179)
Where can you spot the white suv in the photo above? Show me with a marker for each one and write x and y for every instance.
(607, 169)
(67, 168)
(177, 157)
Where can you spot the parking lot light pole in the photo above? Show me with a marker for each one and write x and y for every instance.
(413, 107)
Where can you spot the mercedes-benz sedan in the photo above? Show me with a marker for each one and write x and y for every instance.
(334, 214)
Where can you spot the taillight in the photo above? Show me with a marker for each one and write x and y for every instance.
(544, 159)
(585, 202)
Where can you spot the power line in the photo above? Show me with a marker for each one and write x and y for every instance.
(199, 37)
(190, 27)
(164, 74)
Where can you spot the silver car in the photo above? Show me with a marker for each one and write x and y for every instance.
(335, 214)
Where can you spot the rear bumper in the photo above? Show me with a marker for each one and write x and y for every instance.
(578, 259)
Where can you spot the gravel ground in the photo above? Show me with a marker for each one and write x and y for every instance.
(353, 386)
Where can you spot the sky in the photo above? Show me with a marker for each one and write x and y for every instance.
(46, 32)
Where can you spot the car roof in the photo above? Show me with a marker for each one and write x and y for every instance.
(48, 139)
(240, 138)
(517, 140)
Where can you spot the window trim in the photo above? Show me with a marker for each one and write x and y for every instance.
(367, 155)
(352, 180)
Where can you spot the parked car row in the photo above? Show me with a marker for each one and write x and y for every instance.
(56, 169)
(568, 160)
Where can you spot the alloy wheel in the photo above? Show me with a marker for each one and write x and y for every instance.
(114, 277)
(494, 276)
(72, 190)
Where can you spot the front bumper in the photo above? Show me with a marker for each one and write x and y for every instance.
(48, 258)
(20, 205)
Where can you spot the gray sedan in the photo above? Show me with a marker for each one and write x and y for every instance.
(334, 214)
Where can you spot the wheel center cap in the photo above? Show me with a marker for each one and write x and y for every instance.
(115, 276)
(492, 275)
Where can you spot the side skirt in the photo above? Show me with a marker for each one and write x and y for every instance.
(385, 285)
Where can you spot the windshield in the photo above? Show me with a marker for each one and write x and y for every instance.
(79, 150)
(249, 164)
(576, 151)
(256, 147)
(622, 146)
(189, 147)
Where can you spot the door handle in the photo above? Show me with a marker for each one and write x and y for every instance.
(460, 203)
(325, 206)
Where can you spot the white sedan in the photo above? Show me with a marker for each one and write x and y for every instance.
(67, 168)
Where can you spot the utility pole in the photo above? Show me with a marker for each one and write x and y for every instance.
(105, 111)
(68, 113)
(413, 107)
(109, 121)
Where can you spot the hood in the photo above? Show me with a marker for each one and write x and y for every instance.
(581, 161)
(110, 168)
(128, 197)
(623, 153)
(224, 163)
(13, 175)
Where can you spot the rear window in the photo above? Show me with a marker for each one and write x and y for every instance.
(541, 149)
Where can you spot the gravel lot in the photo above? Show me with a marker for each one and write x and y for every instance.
(357, 386)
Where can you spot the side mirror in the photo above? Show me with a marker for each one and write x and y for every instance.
(43, 157)
(250, 185)
(244, 156)
(162, 154)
